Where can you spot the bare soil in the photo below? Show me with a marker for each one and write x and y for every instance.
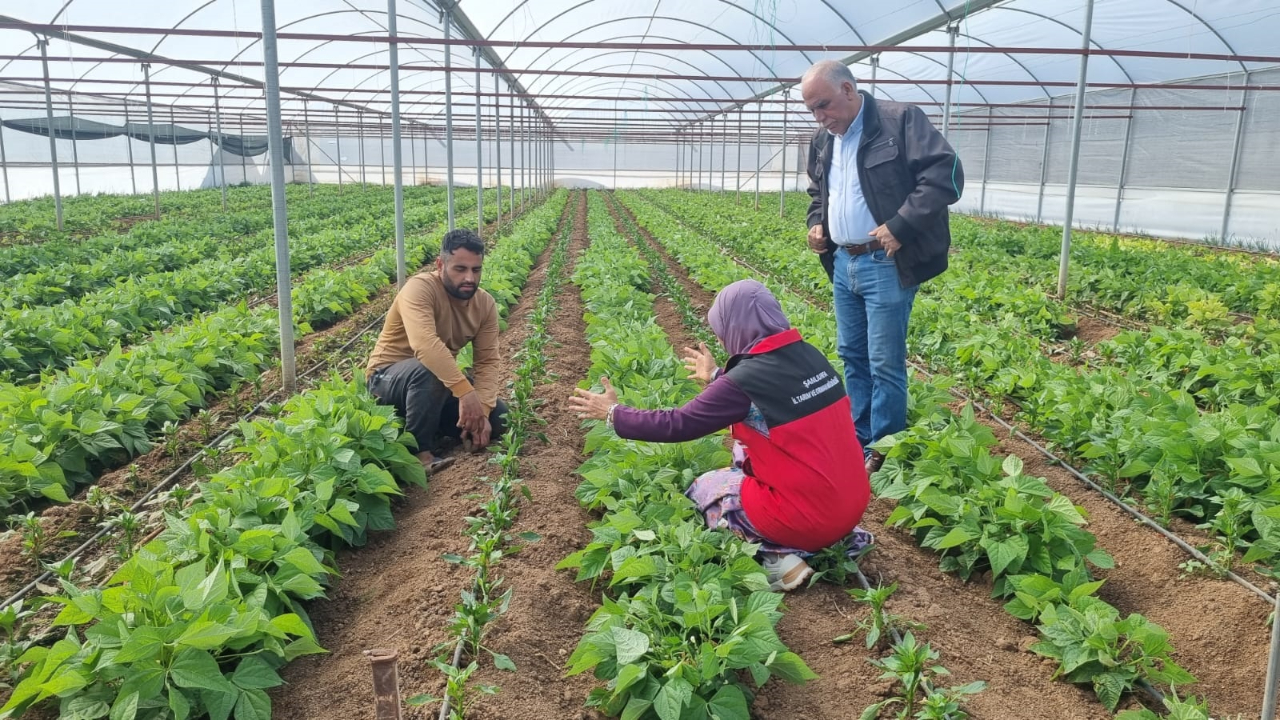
(400, 594)
(1092, 331)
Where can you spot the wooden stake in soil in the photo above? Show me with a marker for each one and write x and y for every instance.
(386, 683)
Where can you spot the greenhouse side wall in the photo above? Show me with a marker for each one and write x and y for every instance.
(1172, 181)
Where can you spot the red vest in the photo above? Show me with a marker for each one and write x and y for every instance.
(806, 484)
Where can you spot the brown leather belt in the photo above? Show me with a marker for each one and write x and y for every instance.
(862, 249)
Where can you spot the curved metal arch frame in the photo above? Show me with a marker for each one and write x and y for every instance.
(548, 88)
(1190, 12)
(664, 37)
(539, 28)
(650, 82)
(1068, 26)
(675, 88)
(595, 84)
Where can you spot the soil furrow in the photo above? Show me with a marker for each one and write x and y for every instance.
(398, 592)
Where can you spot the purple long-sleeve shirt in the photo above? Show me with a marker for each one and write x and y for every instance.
(719, 405)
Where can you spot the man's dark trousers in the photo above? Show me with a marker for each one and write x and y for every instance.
(429, 409)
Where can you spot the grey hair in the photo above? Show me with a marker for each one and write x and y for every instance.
(836, 73)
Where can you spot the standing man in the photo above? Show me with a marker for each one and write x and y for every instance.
(414, 364)
(881, 177)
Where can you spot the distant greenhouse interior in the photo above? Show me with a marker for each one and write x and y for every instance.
(1178, 137)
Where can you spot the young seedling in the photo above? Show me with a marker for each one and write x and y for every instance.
(133, 478)
(128, 525)
(206, 420)
(63, 569)
(99, 502)
(455, 689)
(910, 665)
(881, 624)
(34, 538)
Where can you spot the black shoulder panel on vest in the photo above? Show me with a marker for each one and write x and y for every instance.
(788, 383)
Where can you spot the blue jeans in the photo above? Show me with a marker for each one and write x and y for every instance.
(872, 310)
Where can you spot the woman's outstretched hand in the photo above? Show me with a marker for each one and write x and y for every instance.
(594, 406)
(700, 363)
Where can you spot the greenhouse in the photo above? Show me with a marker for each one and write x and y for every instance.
(640, 358)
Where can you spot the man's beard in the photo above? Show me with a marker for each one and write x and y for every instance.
(459, 293)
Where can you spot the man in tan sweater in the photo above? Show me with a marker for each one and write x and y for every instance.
(414, 365)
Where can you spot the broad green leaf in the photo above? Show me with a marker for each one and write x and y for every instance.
(791, 668)
(253, 705)
(672, 698)
(197, 669)
(631, 645)
(253, 673)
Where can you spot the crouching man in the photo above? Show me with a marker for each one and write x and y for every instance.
(414, 365)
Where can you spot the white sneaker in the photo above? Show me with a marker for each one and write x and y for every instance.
(785, 572)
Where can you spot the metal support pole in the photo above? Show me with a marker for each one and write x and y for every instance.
(952, 32)
(497, 143)
(782, 174)
(364, 180)
(397, 156)
(702, 155)
(337, 145)
(1077, 120)
(724, 148)
(244, 167)
(678, 159)
(53, 144)
(447, 20)
(173, 125)
(737, 184)
(75, 150)
(759, 131)
(382, 157)
(1124, 162)
(711, 150)
(511, 173)
(151, 137)
(4, 167)
(875, 67)
(1235, 161)
(1273, 663)
(986, 168)
(275, 149)
(479, 152)
(1044, 165)
(615, 159)
(524, 155)
(413, 159)
(128, 146)
(222, 162)
(306, 137)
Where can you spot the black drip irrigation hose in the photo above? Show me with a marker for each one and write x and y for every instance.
(1136, 514)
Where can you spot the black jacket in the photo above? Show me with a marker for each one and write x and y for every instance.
(909, 175)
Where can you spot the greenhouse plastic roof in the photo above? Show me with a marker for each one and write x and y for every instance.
(1238, 27)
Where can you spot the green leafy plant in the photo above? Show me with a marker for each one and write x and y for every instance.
(910, 665)
(881, 624)
(35, 539)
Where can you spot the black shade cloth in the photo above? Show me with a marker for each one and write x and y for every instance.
(73, 128)
(165, 134)
(66, 128)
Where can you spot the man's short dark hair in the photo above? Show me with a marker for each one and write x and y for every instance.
(461, 239)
